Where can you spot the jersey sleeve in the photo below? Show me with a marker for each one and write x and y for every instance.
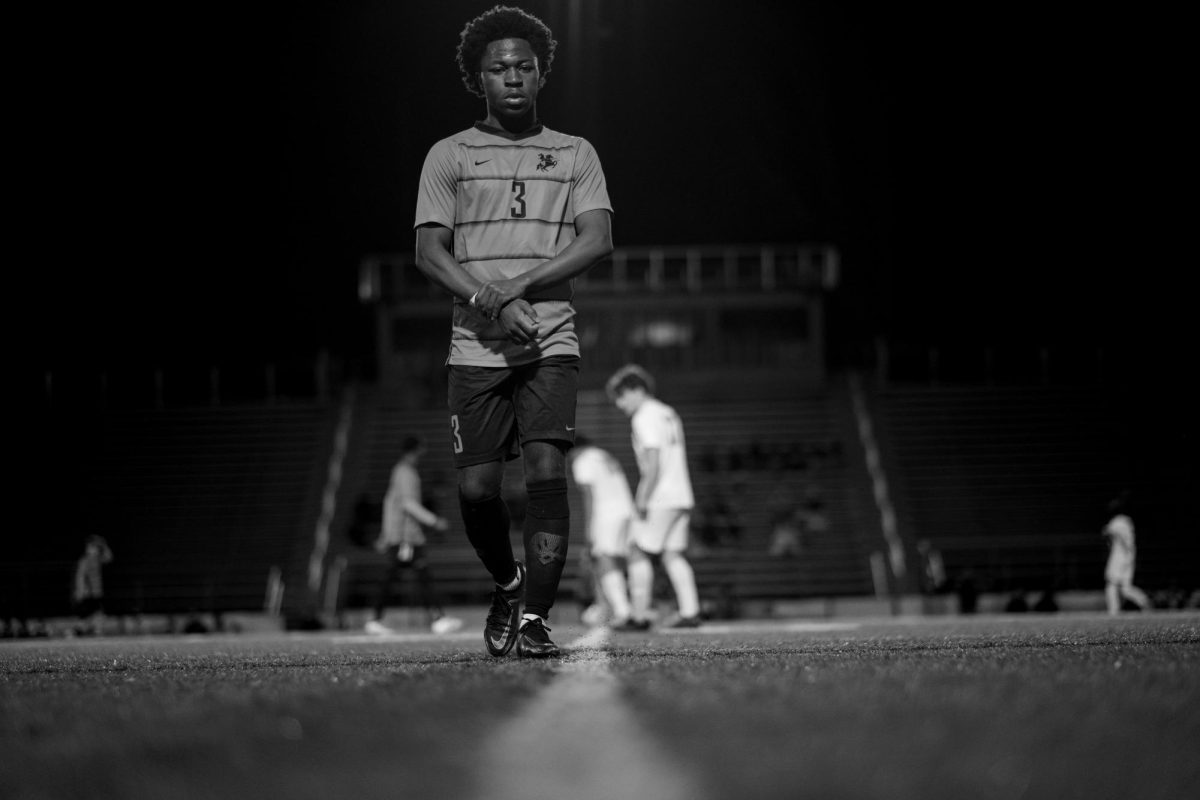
(649, 430)
(436, 192)
(590, 192)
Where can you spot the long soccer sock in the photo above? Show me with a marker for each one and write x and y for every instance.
(683, 581)
(641, 586)
(487, 523)
(546, 529)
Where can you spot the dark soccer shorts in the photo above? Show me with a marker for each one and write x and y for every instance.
(494, 409)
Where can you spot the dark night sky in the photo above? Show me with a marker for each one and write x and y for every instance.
(203, 182)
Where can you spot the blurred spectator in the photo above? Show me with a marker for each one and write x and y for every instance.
(402, 540)
(1046, 602)
(813, 516)
(1122, 558)
(787, 532)
(716, 523)
(87, 592)
(933, 570)
(1017, 604)
(967, 587)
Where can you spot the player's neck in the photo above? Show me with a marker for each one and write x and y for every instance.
(513, 125)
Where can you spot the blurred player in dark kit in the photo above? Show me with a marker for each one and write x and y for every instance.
(508, 212)
(402, 540)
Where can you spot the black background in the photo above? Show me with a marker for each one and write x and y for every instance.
(198, 182)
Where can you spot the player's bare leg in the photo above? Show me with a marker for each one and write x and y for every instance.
(614, 588)
(641, 584)
(1136, 596)
(683, 582)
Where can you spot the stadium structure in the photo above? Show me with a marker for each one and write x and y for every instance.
(235, 490)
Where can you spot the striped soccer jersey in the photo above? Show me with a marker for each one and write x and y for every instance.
(511, 201)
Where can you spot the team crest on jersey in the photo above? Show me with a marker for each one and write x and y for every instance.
(546, 162)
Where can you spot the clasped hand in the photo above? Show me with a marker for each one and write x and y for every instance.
(495, 295)
(519, 322)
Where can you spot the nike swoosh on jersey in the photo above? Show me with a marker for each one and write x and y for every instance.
(477, 163)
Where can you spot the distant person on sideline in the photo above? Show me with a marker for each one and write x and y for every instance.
(508, 213)
(87, 588)
(1122, 558)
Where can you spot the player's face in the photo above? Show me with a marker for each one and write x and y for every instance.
(510, 78)
(629, 400)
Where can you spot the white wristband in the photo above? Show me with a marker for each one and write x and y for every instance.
(471, 302)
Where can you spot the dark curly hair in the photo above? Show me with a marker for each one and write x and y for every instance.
(502, 22)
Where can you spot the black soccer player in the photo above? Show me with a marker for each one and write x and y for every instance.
(508, 212)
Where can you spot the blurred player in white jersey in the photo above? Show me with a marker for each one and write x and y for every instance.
(1122, 556)
(608, 512)
(664, 498)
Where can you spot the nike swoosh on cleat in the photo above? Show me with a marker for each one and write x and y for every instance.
(477, 163)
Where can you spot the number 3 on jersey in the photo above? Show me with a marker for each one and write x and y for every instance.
(518, 210)
(458, 445)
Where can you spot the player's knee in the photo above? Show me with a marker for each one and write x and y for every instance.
(544, 461)
(669, 557)
(606, 564)
(477, 488)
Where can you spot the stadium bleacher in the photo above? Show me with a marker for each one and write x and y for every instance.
(198, 505)
(1010, 482)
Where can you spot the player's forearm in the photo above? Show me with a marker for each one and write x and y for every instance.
(647, 484)
(422, 514)
(576, 258)
(440, 266)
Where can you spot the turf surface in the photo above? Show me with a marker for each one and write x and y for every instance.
(986, 707)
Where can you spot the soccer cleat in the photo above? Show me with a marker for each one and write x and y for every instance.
(685, 622)
(534, 641)
(446, 625)
(377, 628)
(631, 625)
(504, 618)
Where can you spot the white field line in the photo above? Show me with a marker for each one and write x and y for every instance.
(716, 629)
(578, 738)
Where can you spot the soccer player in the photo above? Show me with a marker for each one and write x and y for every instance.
(508, 212)
(1122, 556)
(663, 499)
(402, 540)
(608, 511)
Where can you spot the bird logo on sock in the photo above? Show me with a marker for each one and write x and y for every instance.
(547, 547)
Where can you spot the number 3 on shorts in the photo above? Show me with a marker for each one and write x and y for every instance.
(458, 445)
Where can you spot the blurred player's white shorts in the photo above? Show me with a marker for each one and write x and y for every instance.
(663, 529)
(610, 535)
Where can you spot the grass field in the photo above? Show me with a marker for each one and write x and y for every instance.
(1030, 706)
